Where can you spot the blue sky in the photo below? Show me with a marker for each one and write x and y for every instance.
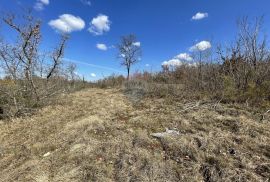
(164, 28)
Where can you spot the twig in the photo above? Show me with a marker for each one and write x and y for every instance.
(263, 115)
(217, 103)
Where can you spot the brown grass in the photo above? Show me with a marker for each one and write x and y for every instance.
(101, 135)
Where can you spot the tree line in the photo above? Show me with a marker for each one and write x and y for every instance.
(238, 73)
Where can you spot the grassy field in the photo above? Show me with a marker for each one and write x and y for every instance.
(105, 135)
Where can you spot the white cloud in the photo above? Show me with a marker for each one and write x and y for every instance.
(147, 65)
(99, 25)
(46, 2)
(199, 16)
(102, 47)
(172, 63)
(201, 46)
(86, 2)
(179, 60)
(138, 44)
(93, 75)
(184, 57)
(67, 23)
(39, 5)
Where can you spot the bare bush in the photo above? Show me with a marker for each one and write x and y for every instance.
(111, 81)
(31, 77)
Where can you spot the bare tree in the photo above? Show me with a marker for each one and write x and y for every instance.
(57, 56)
(247, 60)
(201, 56)
(26, 53)
(253, 44)
(71, 70)
(254, 48)
(25, 65)
(129, 52)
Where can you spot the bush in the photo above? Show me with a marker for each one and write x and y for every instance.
(111, 81)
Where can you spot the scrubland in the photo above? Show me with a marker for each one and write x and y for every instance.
(215, 112)
(105, 135)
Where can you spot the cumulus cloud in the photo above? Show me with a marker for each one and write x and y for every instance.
(147, 65)
(67, 23)
(99, 25)
(184, 57)
(39, 5)
(201, 46)
(102, 47)
(172, 63)
(199, 16)
(179, 60)
(93, 75)
(138, 44)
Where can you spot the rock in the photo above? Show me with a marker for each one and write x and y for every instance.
(167, 133)
(47, 154)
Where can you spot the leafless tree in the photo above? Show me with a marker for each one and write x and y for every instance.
(253, 44)
(254, 48)
(25, 65)
(57, 56)
(247, 60)
(129, 52)
(201, 57)
(71, 70)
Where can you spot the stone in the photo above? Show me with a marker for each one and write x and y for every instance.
(167, 133)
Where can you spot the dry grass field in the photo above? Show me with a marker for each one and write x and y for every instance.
(103, 135)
